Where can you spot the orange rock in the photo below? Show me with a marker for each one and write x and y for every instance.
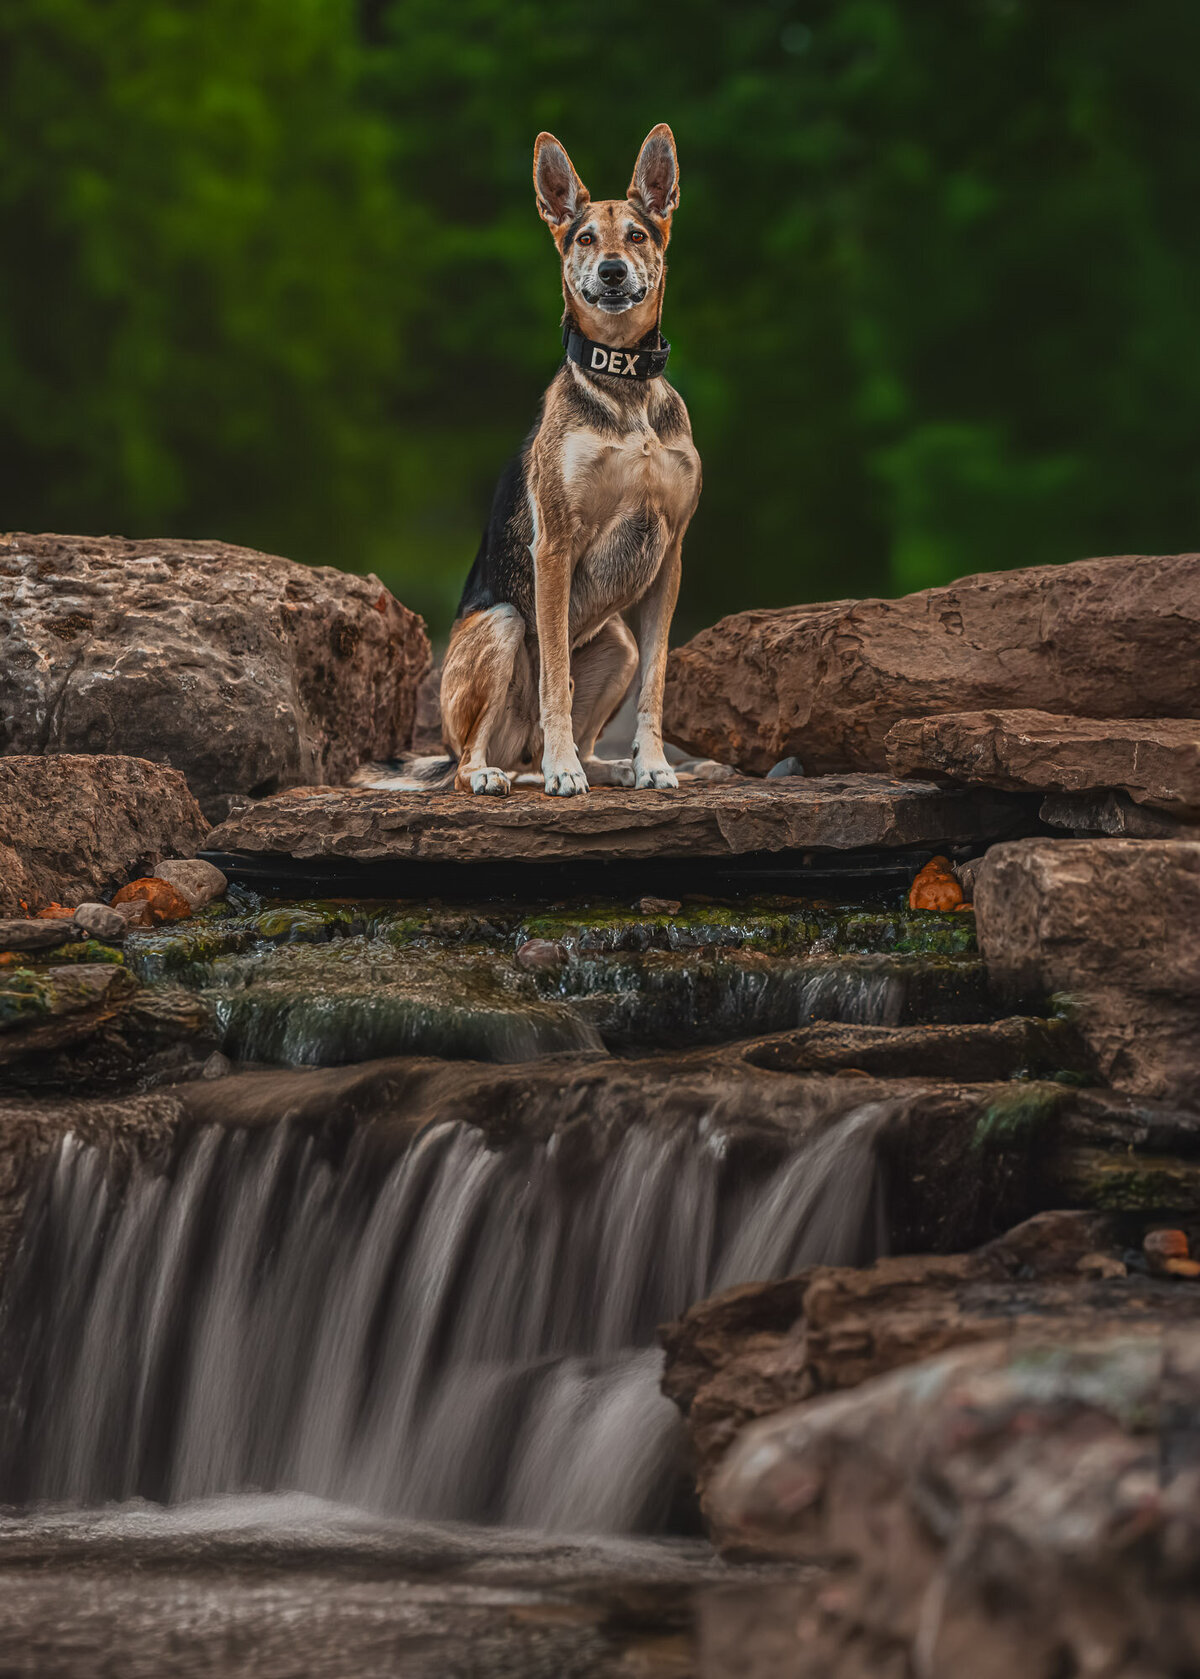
(935, 887)
(1180, 1267)
(1161, 1246)
(55, 912)
(166, 904)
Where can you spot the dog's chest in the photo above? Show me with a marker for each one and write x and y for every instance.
(634, 476)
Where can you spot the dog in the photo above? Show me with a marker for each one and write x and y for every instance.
(588, 521)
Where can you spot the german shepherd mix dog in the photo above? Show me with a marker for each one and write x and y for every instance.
(587, 523)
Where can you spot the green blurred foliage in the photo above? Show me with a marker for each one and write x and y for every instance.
(272, 272)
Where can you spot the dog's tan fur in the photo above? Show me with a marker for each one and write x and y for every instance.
(612, 479)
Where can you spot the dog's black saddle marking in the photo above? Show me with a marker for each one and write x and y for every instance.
(623, 364)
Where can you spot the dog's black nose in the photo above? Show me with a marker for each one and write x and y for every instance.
(612, 273)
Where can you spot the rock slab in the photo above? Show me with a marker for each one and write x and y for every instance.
(246, 671)
(1115, 637)
(709, 820)
(1115, 925)
(1156, 761)
(74, 827)
(1020, 1507)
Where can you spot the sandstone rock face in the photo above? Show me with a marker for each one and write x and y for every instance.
(712, 820)
(243, 670)
(73, 827)
(1115, 924)
(984, 1506)
(1100, 638)
(1155, 760)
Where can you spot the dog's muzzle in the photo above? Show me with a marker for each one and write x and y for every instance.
(614, 299)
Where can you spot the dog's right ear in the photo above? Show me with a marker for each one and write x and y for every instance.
(561, 195)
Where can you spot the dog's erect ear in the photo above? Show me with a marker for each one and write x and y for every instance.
(655, 183)
(561, 195)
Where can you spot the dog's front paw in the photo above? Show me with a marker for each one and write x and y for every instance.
(564, 780)
(490, 781)
(656, 775)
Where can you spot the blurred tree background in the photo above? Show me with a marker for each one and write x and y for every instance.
(272, 272)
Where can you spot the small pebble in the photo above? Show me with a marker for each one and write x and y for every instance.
(200, 882)
(785, 766)
(134, 912)
(164, 901)
(217, 1066)
(540, 953)
(1163, 1246)
(1102, 1265)
(101, 921)
(658, 906)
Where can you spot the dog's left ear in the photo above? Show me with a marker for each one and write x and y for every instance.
(655, 183)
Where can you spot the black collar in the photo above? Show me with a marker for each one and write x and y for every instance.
(622, 364)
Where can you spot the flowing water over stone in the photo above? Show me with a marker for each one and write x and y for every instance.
(467, 1335)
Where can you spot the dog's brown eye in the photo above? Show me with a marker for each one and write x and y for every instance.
(584, 239)
(637, 238)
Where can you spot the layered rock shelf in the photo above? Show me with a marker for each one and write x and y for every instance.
(1105, 638)
(824, 813)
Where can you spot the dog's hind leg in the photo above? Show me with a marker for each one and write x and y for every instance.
(483, 700)
(601, 671)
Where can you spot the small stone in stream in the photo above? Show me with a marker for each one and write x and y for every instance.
(1180, 1267)
(1101, 1265)
(166, 902)
(541, 953)
(1162, 1246)
(34, 934)
(965, 874)
(101, 921)
(658, 906)
(134, 912)
(935, 887)
(200, 882)
(217, 1066)
(785, 766)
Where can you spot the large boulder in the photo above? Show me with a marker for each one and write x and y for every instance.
(1027, 1506)
(246, 671)
(74, 827)
(1115, 926)
(752, 1351)
(1100, 638)
(1156, 761)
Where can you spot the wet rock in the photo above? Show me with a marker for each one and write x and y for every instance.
(73, 827)
(245, 671)
(717, 820)
(1101, 638)
(1156, 761)
(785, 766)
(199, 882)
(996, 1049)
(1088, 815)
(753, 1351)
(935, 887)
(658, 906)
(540, 953)
(1115, 925)
(101, 921)
(983, 1506)
(135, 912)
(34, 934)
(166, 902)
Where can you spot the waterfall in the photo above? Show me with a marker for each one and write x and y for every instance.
(463, 1332)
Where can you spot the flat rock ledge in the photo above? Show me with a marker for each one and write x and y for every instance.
(1155, 760)
(826, 813)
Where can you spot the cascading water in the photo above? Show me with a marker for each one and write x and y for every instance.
(467, 1333)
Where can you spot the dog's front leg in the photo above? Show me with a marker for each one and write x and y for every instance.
(654, 612)
(562, 772)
